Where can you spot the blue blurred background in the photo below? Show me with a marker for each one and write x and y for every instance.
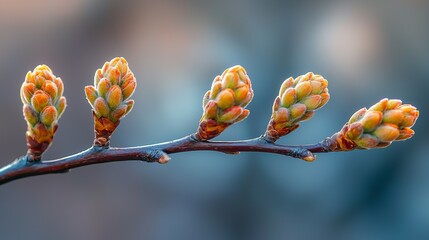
(366, 49)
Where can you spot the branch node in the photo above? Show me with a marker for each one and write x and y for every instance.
(157, 156)
(303, 154)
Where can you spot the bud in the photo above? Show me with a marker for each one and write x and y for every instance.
(103, 87)
(225, 99)
(91, 94)
(39, 100)
(380, 125)
(302, 90)
(367, 141)
(27, 91)
(405, 133)
(297, 110)
(312, 102)
(48, 115)
(61, 106)
(230, 114)
(130, 104)
(114, 96)
(371, 120)
(288, 97)
(100, 107)
(119, 111)
(50, 88)
(301, 97)
(30, 115)
(387, 132)
(41, 94)
(128, 87)
(114, 84)
(224, 104)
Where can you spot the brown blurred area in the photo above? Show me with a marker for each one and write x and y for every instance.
(366, 49)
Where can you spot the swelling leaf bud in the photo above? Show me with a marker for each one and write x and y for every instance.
(224, 104)
(301, 97)
(383, 123)
(41, 94)
(114, 84)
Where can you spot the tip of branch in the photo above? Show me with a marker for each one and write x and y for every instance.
(309, 158)
(164, 159)
(303, 154)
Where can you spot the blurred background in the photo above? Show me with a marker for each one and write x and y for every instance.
(366, 49)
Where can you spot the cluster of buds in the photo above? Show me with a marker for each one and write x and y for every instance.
(297, 100)
(42, 96)
(378, 126)
(109, 97)
(225, 103)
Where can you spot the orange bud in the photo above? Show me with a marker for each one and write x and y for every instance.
(30, 115)
(393, 116)
(114, 96)
(48, 75)
(130, 104)
(98, 75)
(316, 87)
(393, 103)
(289, 97)
(48, 115)
(119, 112)
(61, 106)
(27, 91)
(325, 98)
(404, 134)
(357, 115)
(217, 86)
(312, 101)
(380, 106)
(211, 109)
(367, 141)
(128, 88)
(29, 78)
(105, 67)
(303, 89)
(230, 114)
(282, 115)
(387, 132)
(276, 104)
(409, 121)
(40, 100)
(91, 94)
(230, 80)
(285, 85)
(103, 87)
(50, 88)
(101, 108)
(354, 131)
(38, 81)
(113, 76)
(60, 86)
(241, 93)
(225, 98)
(297, 110)
(371, 120)
(411, 115)
(124, 68)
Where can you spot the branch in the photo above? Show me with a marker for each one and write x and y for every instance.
(22, 168)
(223, 105)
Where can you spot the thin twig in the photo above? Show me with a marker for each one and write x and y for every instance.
(22, 168)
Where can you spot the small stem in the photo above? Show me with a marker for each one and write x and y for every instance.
(21, 168)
